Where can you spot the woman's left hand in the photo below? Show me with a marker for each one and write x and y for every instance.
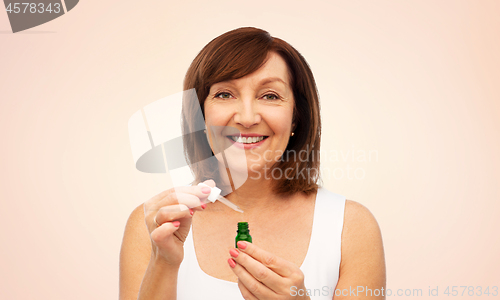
(263, 275)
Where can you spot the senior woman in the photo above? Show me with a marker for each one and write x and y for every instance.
(309, 243)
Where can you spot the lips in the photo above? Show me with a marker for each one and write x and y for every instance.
(247, 141)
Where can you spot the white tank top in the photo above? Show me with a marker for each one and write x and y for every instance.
(320, 266)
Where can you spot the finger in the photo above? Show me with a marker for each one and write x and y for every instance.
(256, 288)
(209, 182)
(279, 265)
(171, 213)
(162, 235)
(245, 292)
(189, 200)
(206, 192)
(260, 272)
(170, 195)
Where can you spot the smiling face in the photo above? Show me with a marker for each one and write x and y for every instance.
(260, 106)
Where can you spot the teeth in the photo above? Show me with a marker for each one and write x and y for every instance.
(247, 140)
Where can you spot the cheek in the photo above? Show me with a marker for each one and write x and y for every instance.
(215, 116)
(216, 120)
(280, 122)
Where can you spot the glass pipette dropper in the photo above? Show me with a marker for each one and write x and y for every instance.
(215, 195)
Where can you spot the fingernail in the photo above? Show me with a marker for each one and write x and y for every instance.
(231, 262)
(233, 253)
(176, 223)
(203, 205)
(206, 190)
(241, 245)
(191, 211)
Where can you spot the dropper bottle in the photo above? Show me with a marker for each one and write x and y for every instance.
(215, 195)
(243, 234)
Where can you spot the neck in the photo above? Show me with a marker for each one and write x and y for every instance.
(254, 195)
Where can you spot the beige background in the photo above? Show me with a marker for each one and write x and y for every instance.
(414, 81)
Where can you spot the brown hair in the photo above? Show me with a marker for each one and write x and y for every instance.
(236, 54)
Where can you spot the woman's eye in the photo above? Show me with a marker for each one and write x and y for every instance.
(223, 95)
(271, 97)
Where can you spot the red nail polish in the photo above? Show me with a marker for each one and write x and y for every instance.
(242, 245)
(203, 205)
(231, 262)
(191, 211)
(233, 253)
(176, 223)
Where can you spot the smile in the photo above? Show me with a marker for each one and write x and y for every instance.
(247, 140)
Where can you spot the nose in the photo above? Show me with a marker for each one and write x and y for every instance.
(247, 114)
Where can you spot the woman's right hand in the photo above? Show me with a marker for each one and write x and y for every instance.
(173, 210)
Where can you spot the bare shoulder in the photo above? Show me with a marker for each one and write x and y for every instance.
(134, 254)
(361, 232)
(362, 258)
(136, 226)
(358, 219)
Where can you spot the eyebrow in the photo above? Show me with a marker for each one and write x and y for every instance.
(271, 79)
(262, 82)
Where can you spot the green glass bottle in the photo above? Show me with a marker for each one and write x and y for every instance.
(243, 233)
